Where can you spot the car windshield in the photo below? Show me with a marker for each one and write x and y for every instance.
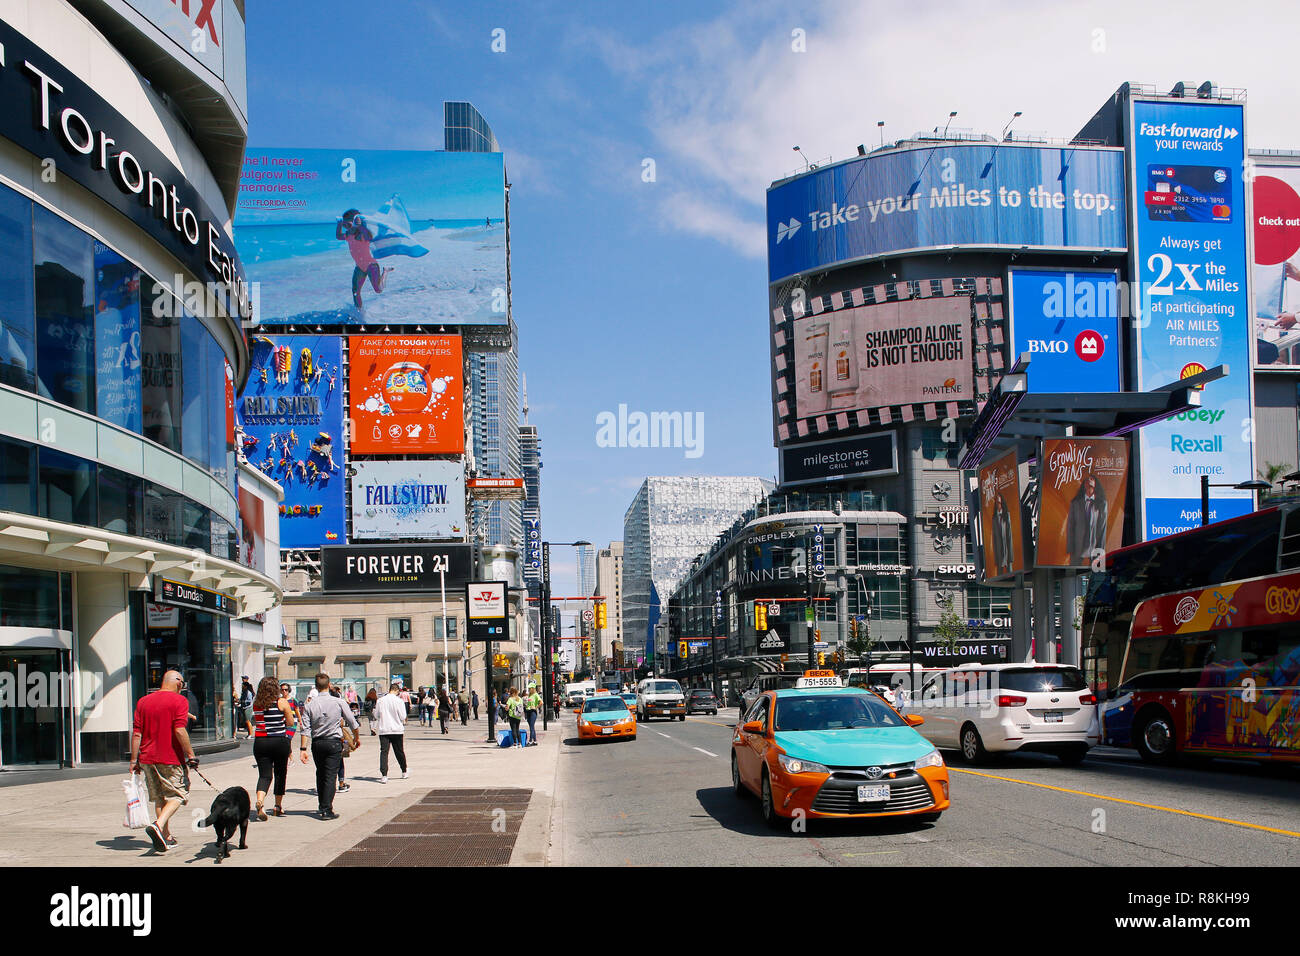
(602, 704)
(701, 693)
(837, 712)
(663, 687)
(1038, 679)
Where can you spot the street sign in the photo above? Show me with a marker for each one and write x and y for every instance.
(588, 615)
(820, 645)
(774, 609)
(808, 615)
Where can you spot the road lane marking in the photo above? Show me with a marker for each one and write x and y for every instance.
(665, 736)
(703, 751)
(713, 722)
(874, 853)
(1131, 803)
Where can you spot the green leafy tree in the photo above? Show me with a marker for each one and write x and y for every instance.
(952, 631)
(1271, 472)
(860, 642)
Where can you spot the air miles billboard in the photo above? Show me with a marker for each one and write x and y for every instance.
(1068, 323)
(986, 195)
(374, 237)
(1194, 310)
(291, 414)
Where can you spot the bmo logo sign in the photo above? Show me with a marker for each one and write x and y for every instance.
(1067, 323)
(1089, 345)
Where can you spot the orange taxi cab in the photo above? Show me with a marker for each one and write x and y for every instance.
(605, 716)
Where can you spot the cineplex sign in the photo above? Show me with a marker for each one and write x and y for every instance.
(52, 114)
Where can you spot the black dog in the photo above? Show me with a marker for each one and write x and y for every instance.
(229, 809)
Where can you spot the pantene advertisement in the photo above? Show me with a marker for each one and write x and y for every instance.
(1004, 550)
(1081, 509)
(406, 394)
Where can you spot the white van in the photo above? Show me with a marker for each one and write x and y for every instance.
(579, 691)
(660, 697)
(999, 708)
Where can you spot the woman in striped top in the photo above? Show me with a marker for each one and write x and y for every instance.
(272, 718)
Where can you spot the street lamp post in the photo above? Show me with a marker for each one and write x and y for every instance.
(1240, 486)
(548, 695)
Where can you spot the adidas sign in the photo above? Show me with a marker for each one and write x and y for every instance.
(772, 642)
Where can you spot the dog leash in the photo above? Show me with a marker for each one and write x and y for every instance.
(204, 779)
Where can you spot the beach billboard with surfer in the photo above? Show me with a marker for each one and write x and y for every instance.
(374, 237)
(290, 419)
(406, 394)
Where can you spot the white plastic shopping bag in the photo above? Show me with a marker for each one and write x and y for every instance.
(137, 802)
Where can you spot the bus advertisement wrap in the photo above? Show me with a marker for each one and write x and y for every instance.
(1081, 500)
(929, 196)
(374, 236)
(1193, 309)
(1068, 324)
(1000, 519)
(291, 415)
(1277, 267)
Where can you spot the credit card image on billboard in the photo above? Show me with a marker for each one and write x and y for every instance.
(1188, 193)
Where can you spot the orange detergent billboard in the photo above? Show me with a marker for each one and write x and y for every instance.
(1081, 509)
(406, 394)
(999, 490)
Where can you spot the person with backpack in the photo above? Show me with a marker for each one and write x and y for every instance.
(443, 703)
(462, 700)
(515, 714)
(532, 704)
(242, 708)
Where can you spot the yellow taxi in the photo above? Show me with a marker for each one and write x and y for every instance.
(605, 717)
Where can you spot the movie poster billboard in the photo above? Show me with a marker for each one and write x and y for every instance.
(406, 394)
(1190, 226)
(375, 237)
(1000, 518)
(291, 416)
(408, 499)
(1082, 488)
(897, 353)
(1277, 266)
(252, 531)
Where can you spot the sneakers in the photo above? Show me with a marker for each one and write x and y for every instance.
(154, 833)
(406, 774)
(344, 788)
(383, 780)
(328, 815)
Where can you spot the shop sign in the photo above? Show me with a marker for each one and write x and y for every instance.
(180, 594)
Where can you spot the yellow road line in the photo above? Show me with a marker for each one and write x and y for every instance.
(1131, 803)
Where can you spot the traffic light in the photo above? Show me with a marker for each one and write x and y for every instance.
(760, 616)
(586, 648)
(602, 615)
(785, 658)
(818, 634)
(681, 649)
(821, 658)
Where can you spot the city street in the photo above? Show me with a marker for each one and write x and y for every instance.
(665, 799)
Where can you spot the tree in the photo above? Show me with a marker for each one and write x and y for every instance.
(952, 630)
(1271, 472)
(860, 642)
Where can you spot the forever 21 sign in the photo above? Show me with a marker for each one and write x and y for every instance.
(398, 567)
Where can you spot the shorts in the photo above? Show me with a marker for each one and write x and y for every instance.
(166, 781)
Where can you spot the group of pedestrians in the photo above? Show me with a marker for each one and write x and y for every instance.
(515, 709)
(443, 706)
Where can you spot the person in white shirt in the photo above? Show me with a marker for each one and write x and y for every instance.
(390, 722)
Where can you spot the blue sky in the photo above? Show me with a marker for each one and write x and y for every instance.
(652, 294)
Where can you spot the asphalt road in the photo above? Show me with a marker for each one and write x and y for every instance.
(665, 799)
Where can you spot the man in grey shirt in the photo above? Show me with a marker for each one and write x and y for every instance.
(323, 718)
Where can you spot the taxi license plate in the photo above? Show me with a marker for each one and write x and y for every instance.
(606, 730)
(1054, 716)
(867, 793)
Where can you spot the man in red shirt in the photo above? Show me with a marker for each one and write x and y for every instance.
(160, 749)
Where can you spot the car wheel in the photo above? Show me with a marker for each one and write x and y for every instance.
(737, 785)
(769, 808)
(682, 717)
(972, 747)
(1073, 757)
(1155, 738)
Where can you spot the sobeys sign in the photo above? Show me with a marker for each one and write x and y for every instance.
(51, 113)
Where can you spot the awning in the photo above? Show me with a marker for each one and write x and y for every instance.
(438, 657)
(392, 658)
(352, 658)
(311, 659)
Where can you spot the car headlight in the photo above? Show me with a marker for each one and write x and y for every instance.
(932, 759)
(795, 765)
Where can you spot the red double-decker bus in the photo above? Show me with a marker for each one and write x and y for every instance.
(1193, 641)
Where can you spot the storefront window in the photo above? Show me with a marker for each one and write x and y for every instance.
(194, 414)
(354, 670)
(121, 502)
(161, 365)
(17, 307)
(308, 671)
(64, 267)
(197, 644)
(117, 339)
(32, 598)
(66, 488)
(17, 477)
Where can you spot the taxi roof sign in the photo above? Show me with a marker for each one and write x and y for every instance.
(816, 678)
(818, 673)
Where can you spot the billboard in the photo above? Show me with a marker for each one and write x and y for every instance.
(1277, 266)
(987, 195)
(396, 567)
(1081, 500)
(1068, 322)
(875, 454)
(916, 350)
(376, 237)
(1000, 518)
(252, 531)
(291, 415)
(408, 499)
(1189, 257)
(406, 394)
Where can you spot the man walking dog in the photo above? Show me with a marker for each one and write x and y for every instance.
(322, 721)
(161, 749)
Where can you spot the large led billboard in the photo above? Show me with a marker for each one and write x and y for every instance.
(986, 195)
(406, 394)
(1193, 311)
(408, 499)
(1067, 321)
(896, 353)
(291, 416)
(1277, 266)
(374, 237)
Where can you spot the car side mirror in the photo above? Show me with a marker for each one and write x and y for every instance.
(914, 720)
(754, 727)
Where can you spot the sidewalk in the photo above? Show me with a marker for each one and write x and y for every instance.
(78, 821)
